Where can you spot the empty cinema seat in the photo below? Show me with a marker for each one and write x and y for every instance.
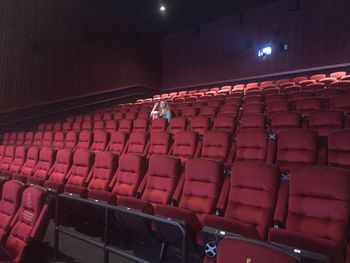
(111, 126)
(42, 169)
(99, 176)
(29, 165)
(295, 148)
(125, 181)
(85, 140)
(30, 221)
(252, 122)
(7, 159)
(71, 141)
(318, 216)
(224, 123)
(185, 145)
(253, 145)
(216, 145)
(6, 138)
(82, 163)
(58, 140)
(59, 171)
(324, 121)
(117, 143)
(176, 125)
(9, 203)
(160, 143)
(158, 124)
(200, 124)
(13, 138)
(339, 148)
(17, 163)
(125, 126)
(236, 249)
(38, 139)
(284, 121)
(141, 125)
(138, 143)
(251, 198)
(47, 139)
(20, 138)
(159, 184)
(202, 183)
(100, 141)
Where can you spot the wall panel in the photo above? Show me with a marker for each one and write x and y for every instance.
(51, 50)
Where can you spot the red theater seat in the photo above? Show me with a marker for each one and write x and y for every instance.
(100, 141)
(339, 148)
(324, 121)
(125, 126)
(6, 138)
(284, 121)
(138, 143)
(2, 151)
(71, 140)
(318, 216)
(176, 125)
(189, 113)
(251, 108)
(341, 102)
(29, 165)
(230, 110)
(47, 139)
(159, 124)
(158, 184)
(77, 125)
(58, 140)
(18, 161)
(28, 139)
(277, 107)
(38, 139)
(216, 145)
(141, 125)
(208, 111)
(244, 250)
(308, 105)
(251, 200)
(295, 148)
(20, 138)
(117, 143)
(87, 126)
(9, 203)
(99, 176)
(82, 162)
(185, 145)
(254, 146)
(125, 181)
(27, 225)
(42, 169)
(200, 125)
(8, 157)
(85, 140)
(224, 123)
(159, 143)
(131, 116)
(13, 138)
(201, 189)
(99, 125)
(111, 126)
(253, 122)
(59, 170)
(67, 126)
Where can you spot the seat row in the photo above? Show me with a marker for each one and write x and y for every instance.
(23, 219)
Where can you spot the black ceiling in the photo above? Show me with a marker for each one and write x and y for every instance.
(145, 17)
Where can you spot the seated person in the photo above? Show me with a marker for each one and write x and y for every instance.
(161, 109)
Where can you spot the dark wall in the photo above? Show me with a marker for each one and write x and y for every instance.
(317, 33)
(50, 50)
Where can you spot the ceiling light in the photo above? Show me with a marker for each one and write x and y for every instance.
(162, 8)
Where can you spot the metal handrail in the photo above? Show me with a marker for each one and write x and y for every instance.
(181, 225)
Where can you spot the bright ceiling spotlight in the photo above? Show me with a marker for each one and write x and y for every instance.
(162, 8)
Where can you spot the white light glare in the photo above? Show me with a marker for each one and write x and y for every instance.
(162, 8)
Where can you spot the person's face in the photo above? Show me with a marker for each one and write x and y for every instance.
(162, 105)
